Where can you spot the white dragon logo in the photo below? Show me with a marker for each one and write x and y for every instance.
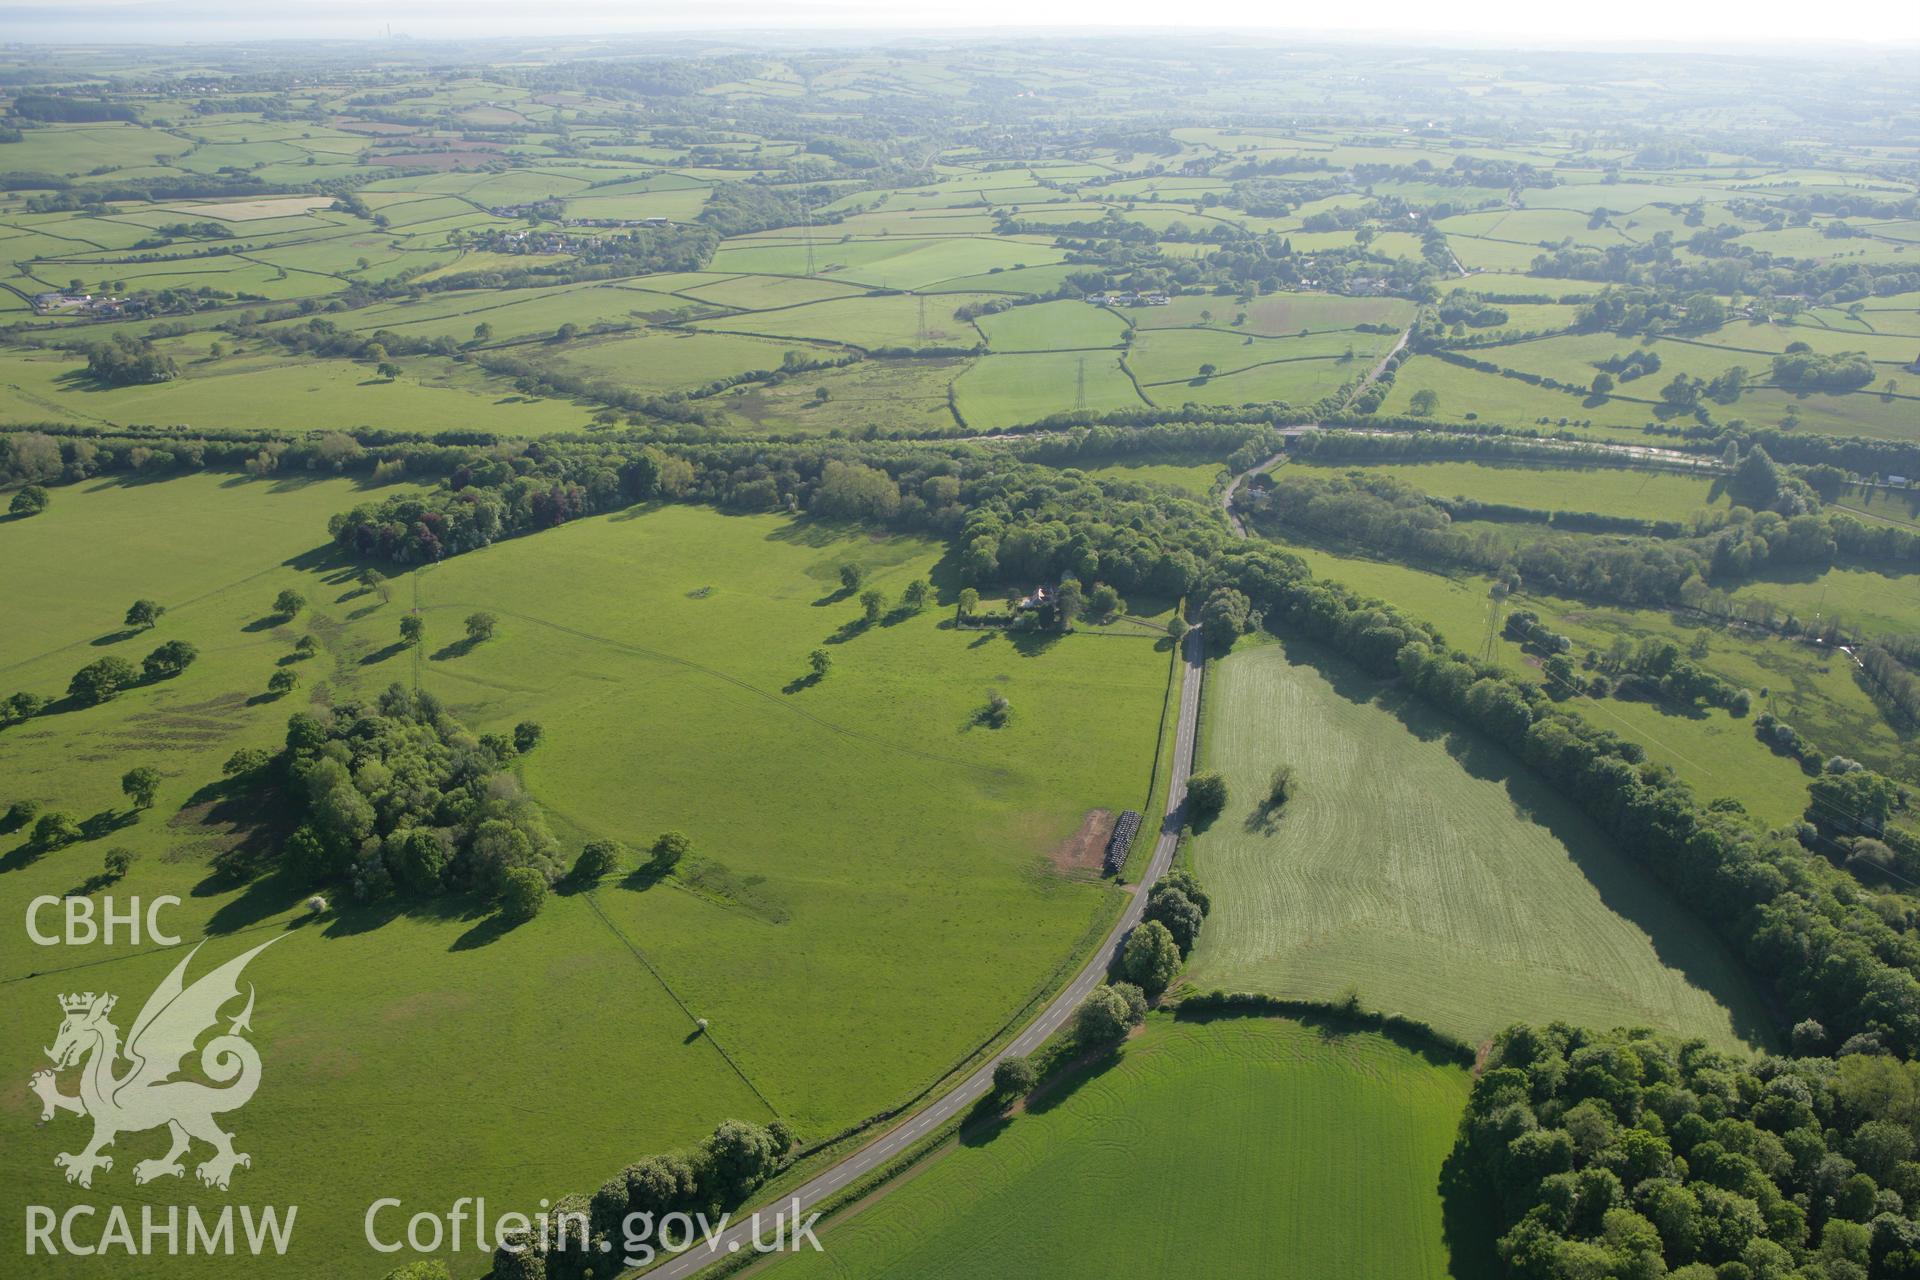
(147, 1095)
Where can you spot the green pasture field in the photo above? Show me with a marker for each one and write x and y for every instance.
(521, 313)
(1714, 752)
(886, 222)
(1878, 600)
(1254, 1140)
(1510, 402)
(1484, 253)
(1012, 390)
(1573, 359)
(1760, 342)
(1531, 317)
(259, 391)
(461, 261)
(1894, 506)
(1295, 381)
(812, 921)
(1053, 326)
(1641, 493)
(682, 205)
(893, 395)
(757, 293)
(671, 360)
(73, 149)
(1279, 315)
(1011, 280)
(891, 262)
(1195, 478)
(808, 932)
(888, 320)
(1175, 355)
(469, 1030)
(1531, 229)
(1423, 866)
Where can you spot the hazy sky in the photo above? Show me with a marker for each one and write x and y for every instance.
(1702, 23)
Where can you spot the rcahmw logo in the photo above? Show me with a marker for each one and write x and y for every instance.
(149, 1093)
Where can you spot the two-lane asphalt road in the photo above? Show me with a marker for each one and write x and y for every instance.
(885, 1148)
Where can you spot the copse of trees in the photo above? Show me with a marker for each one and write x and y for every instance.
(169, 660)
(21, 706)
(712, 1178)
(100, 679)
(128, 361)
(1177, 902)
(396, 796)
(1618, 1153)
(1387, 516)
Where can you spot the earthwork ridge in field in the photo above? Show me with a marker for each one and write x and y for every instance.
(985, 771)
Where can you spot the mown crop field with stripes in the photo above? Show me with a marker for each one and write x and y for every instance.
(1418, 865)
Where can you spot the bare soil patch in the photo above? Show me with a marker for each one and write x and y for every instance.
(1086, 849)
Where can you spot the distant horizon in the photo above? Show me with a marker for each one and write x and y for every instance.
(1636, 26)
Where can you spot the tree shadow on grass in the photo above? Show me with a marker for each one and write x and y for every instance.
(643, 877)
(1265, 818)
(801, 683)
(1058, 1088)
(258, 900)
(115, 637)
(106, 822)
(92, 884)
(1033, 643)
(851, 629)
(813, 531)
(1680, 939)
(835, 597)
(381, 655)
(484, 932)
(22, 855)
(637, 510)
(985, 1121)
(327, 557)
(1467, 1218)
(454, 649)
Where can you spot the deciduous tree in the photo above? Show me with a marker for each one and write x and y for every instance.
(1151, 957)
(140, 784)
